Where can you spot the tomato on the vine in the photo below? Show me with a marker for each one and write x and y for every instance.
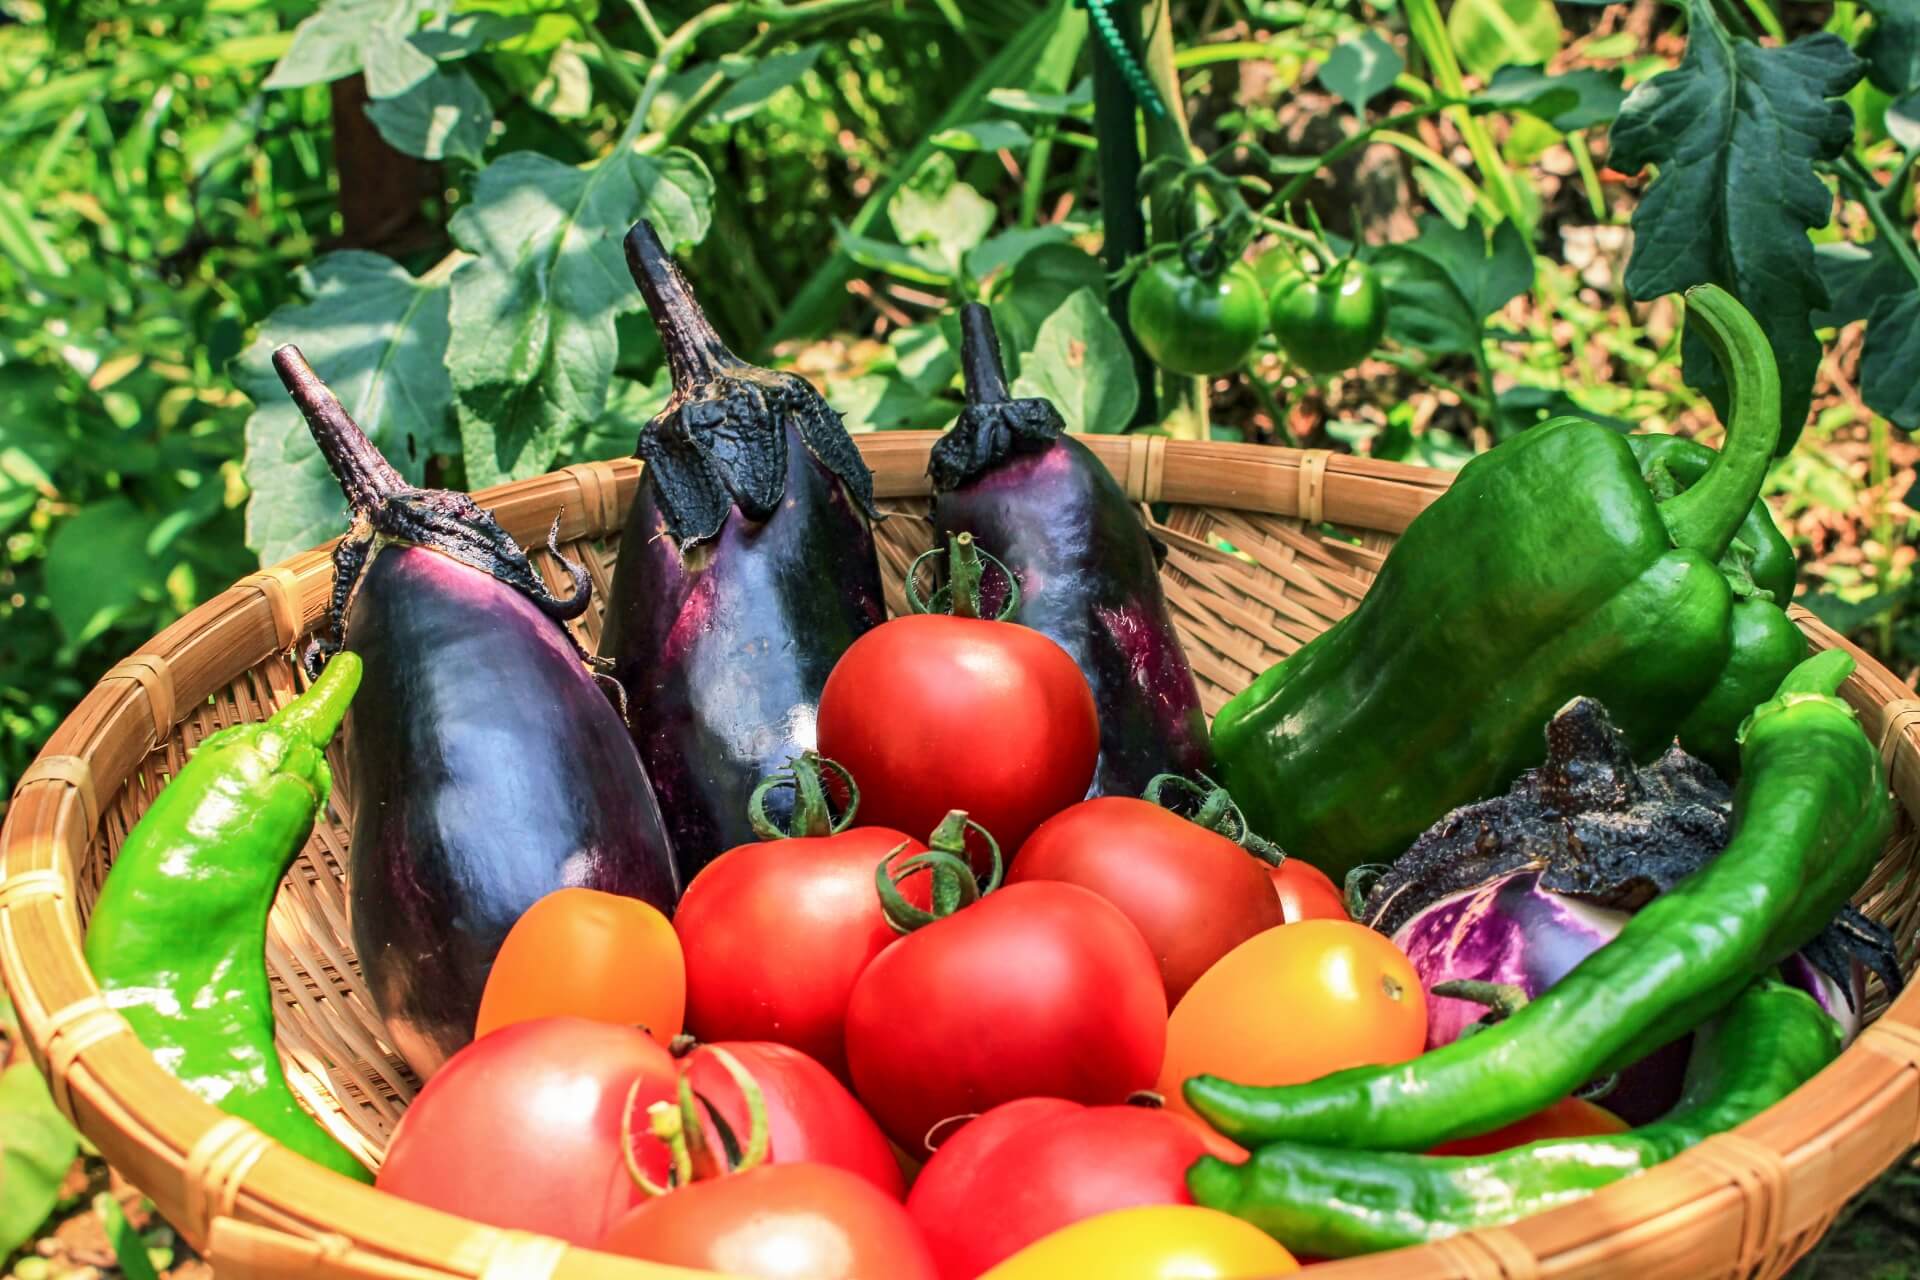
(1306, 892)
(1193, 324)
(1294, 1004)
(592, 955)
(1328, 323)
(1193, 894)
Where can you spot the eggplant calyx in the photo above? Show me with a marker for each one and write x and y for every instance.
(388, 509)
(721, 441)
(994, 426)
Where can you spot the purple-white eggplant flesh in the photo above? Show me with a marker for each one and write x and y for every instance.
(1513, 893)
(487, 765)
(746, 568)
(1042, 504)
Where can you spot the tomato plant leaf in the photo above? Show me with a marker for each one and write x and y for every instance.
(1361, 69)
(1487, 34)
(1080, 362)
(1903, 121)
(1444, 283)
(442, 115)
(1736, 130)
(378, 336)
(1035, 288)
(549, 21)
(756, 80)
(37, 1147)
(448, 36)
(532, 344)
(1570, 100)
(1890, 359)
(1892, 48)
(1856, 276)
(331, 42)
(1006, 250)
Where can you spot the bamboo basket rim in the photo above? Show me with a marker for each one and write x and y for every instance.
(259, 1210)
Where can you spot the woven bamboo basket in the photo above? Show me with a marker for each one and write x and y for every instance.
(1744, 1204)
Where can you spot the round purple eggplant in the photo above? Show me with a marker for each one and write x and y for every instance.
(1049, 510)
(487, 766)
(746, 568)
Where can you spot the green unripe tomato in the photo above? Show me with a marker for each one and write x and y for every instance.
(1193, 325)
(1327, 324)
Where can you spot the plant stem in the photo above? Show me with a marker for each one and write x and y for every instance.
(1429, 33)
(1881, 477)
(1185, 410)
(1420, 369)
(1263, 392)
(1589, 176)
(1351, 143)
(1426, 155)
(1855, 177)
(610, 58)
(648, 23)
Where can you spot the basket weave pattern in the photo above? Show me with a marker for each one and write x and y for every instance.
(1743, 1204)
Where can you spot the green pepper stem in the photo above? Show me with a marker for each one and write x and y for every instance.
(317, 713)
(1705, 517)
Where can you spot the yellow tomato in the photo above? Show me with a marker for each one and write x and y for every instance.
(593, 955)
(1294, 1003)
(1157, 1242)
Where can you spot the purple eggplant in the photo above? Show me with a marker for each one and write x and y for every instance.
(1043, 505)
(488, 767)
(746, 568)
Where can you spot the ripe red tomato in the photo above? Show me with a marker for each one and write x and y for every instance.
(779, 1222)
(593, 955)
(1036, 990)
(1306, 893)
(933, 713)
(1028, 1168)
(1193, 894)
(810, 1115)
(775, 934)
(1567, 1118)
(521, 1128)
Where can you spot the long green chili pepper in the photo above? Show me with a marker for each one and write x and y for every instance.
(1810, 816)
(178, 937)
(1337, 1203)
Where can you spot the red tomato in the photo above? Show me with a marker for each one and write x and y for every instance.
(521, 1128)
(775, 934)
(1567, 1118)
(779, 1222)
(933, 713)
(1036, 990)
(593, 955)
(810, 1115)
(1028, 1168)
(1193, 894)
(1306, 893)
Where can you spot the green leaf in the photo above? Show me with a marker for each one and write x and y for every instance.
(98, 568)
(1857, 277)
(331, 43)
(1520, 407)
(912, 263)
(1736, 130)
(1890, 360)
(392, 64)
(129, 1250)
(1053, 105)
(885, 402)
(756, 80)
(24, 239)
(1080, 362)
(37, 1147)
(1444, 283)
(984, 135)
(1361, 69)
(450, 36)
(631, 405)
(1903, 121)
(532, 315)
(1449, 195)
(1567, 101)
(378, 336)
(1892, 48)
(566, 91)
(552, 22)
(1488, 34)
(1006, 250)
(443, 115)
(923, 356)
(941, 214)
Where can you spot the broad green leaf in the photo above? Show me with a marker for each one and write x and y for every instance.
(392, 64)
(1567, 101)
(631, 405)
(887, 402)
(923, 356)
(1361, 69)
(1035, 289)
(448, 36)
(1444, 283)
(984, 135)
(1857, 277)
(756, 80)
(1080, 362)
(1736, 130)
(1489, 34)
(1520, 407)
(331, 43)
(443, 115)
(1890, 360)
(1903, 121)
(1056, 105)
(550, 22)
(37, 1147)
(98, 568)
(1004, 251)
(532, 314)
(566, 91)
(938, 212)
(378, 337)
(915, 264)
(1892, 48)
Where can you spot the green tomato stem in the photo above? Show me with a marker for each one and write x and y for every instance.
(1429, 32)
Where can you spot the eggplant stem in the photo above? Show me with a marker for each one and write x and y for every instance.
(694, 350)
(986, 376)
(365, 476)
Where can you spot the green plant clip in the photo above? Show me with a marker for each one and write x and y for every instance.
(1138, 82)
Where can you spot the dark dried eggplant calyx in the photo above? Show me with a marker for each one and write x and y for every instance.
(721, 442)
(386, 508)
(993, 426)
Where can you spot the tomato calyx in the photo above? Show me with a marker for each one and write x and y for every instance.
(690, 1150)
(812, 806)
(1208, 804)
(966, 572)
(947, 859)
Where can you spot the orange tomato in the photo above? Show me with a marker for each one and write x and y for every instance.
(593, 955)
(1294, 1003)
(1306, 893)
(1567, 1118)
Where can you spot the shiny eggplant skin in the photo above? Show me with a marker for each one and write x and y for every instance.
(1050, 511)
(488, 769)
(723, 648)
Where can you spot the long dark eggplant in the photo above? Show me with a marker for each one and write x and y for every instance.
(746, 569)
(1048, 509)
(488, 766)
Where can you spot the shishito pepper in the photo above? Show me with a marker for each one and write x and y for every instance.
(1810, 815)
(178, 937)
(1549, 570)
(1337, 1203)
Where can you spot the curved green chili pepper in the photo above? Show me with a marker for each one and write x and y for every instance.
(178, 937)
(1336, 1203)
(1810, 816)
